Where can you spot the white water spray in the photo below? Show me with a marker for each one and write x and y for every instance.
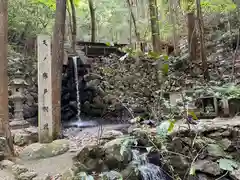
(148, 171)
(77, 87)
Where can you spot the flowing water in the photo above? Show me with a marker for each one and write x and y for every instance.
(147, 170)
(79, 122)
(77, 87)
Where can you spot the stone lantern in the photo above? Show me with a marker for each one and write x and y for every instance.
(17, 86)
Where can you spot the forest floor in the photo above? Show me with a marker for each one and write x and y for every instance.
(56, 165)
(79, 138)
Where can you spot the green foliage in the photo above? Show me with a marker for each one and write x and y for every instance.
(227, 91)
(219, 6)
(52, 3)
(192, 171)
(216, 6)
(26, 19)
(127, 144)
(193, 115)
(112, 18)
(165, 128)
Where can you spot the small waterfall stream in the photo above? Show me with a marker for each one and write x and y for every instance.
(77, 87)
(79, 122)
(147, 170)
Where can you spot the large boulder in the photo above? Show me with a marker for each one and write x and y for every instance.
(207, 166)
(130, 172)
(114, 158)
(38, 151)
(89, 159)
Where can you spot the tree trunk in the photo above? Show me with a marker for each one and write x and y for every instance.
(130, 29)
(74, 26)
(173, 22)
(93, 20)
(192, 38)
(154, 25)
(4, 121)
(202, 45)
(57, 61)
(137, 34)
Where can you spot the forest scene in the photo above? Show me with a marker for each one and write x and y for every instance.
(119, 90)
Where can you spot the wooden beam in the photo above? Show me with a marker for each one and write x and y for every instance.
(45, 113)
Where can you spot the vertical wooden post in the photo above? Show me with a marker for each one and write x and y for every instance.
(5, 133)
(45, 113)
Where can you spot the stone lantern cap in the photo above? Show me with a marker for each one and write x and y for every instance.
(18, 79)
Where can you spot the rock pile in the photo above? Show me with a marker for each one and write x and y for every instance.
(116, 159)
(209, 153)
(20, 172)
(2, 147)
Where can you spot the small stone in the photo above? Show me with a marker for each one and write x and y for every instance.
(27, 175)
(209, 167)
(113, 175)
(7, 164)
(18, 169)
(215, 150)
(21, 138)
(226, 144)
(110, 135)
(130, 173)
(69, 174)
(45, 177)
(235, 174)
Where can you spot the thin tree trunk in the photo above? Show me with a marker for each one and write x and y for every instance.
(74, 27)
(93, 21)
(68, 24)
(202, 45)
(57, 61)
(173, 22)
(154, 25)
(4, 121)
(130, 29)
(137, 34)
(192, 38)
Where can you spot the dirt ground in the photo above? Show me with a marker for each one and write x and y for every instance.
(58, 164)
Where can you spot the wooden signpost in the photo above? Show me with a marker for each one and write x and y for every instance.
(45, 114)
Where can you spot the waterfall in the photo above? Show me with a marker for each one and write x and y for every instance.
(147, 170)
(80, 123)
(77, 87)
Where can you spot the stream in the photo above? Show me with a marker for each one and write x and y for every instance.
(91, 127)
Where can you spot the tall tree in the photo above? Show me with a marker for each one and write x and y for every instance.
(57, 61)
(202, 45)
(192, 37)
(154, 24)
(137, 34)
(93, 20)
(74, 26)
(4, 121)
(173, 22)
